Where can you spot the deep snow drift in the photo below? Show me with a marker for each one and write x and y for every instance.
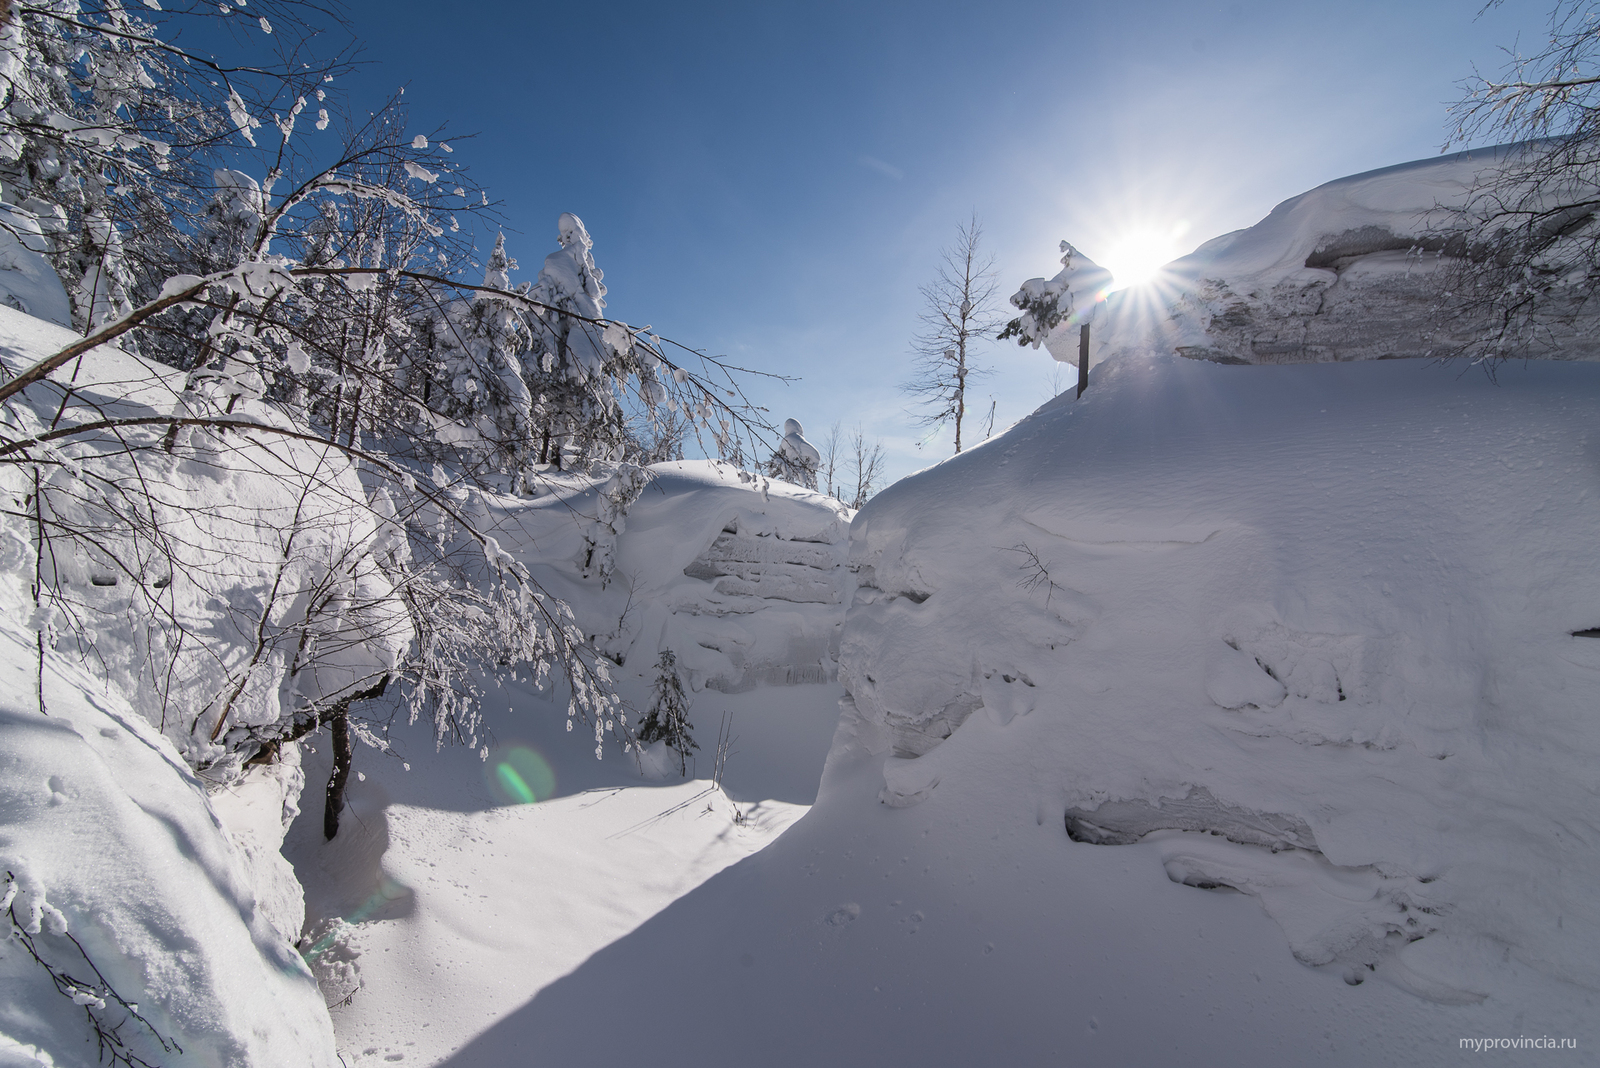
(1325, 613)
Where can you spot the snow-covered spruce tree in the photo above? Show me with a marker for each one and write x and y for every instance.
(1045, 304)
(477, 345)
(796, 459)
(577, 408)
(1522, 254)
(108, 134)
(958, 315)
(667, 719)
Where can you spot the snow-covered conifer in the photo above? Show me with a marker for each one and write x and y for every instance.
(1071, 297)
(478, 344)
(797, 460)
(580, 364)
(667, 719)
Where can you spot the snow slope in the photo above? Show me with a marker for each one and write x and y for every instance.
(1326, 613)
(1346, 271)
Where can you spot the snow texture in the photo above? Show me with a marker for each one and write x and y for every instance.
(28, 282)
(1315, 625)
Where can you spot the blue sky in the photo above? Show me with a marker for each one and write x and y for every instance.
(774, 181)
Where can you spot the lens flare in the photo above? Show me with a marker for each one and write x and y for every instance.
(1138, 255)
(519, 775)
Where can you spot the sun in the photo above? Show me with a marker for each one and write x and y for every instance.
(1137, 255)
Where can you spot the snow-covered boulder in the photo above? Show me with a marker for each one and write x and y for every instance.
(1321, 633)
(253, 538)
(743, 577)
(1346, 271)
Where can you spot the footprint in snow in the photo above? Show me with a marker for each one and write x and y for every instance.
(843, 914)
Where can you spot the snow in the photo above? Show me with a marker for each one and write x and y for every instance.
(1233, 714)
(742, 576)
(1326, 612)
(109, 835)
(27, 281)
(467, 905)
(1405, 536)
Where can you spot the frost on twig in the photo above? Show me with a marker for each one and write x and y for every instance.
(106, 1012)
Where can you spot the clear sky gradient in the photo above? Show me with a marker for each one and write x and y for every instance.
(773, 181)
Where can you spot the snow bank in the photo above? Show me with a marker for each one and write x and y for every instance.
(1313, 633)
(109, 840)
(1347, 271)
(170, 601)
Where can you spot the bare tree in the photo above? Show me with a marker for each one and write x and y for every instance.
(866, 464)
(959, 314)
(832, 454)
(1524, 248)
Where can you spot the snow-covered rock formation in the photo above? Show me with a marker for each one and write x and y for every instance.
(172, 595)
(743, 577)
(1322, 634)
(1346, 271)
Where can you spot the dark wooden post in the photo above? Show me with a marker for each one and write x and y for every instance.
(1083, 359)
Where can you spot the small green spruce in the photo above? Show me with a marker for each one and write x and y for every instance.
(668, 717)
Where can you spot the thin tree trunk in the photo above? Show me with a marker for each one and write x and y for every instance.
(961, 388)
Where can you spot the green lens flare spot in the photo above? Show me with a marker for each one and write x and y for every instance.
(519, 775)
(513, 784)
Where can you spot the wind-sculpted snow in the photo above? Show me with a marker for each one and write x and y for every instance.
(1347, 271)
(1313, 633)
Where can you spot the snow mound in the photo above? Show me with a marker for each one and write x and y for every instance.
(1320, 634)
(1347, 271)
(108, 840)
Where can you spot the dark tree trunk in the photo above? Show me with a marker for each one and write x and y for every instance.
(1083, 359)
(343, 754)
